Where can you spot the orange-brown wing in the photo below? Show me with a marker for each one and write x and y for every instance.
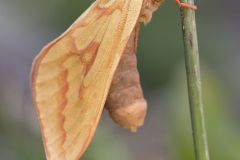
(71, 76)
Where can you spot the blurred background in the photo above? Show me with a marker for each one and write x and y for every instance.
(26, 26)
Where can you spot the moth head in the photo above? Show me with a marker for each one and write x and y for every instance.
(149, 6)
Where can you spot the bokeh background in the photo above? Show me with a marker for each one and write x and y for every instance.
(26, 26)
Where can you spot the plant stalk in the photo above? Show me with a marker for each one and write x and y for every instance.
(194, 82)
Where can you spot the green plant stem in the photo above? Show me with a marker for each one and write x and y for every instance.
(194, 82)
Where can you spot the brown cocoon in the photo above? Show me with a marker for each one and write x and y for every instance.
(125, 101)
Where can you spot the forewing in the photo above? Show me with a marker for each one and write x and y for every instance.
(71, 76)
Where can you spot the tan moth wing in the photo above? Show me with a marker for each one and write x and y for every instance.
(71, 76)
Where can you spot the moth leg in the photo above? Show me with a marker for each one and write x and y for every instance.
(181, 4)
(149, 6)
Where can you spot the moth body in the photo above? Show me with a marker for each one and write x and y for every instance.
(125, 102)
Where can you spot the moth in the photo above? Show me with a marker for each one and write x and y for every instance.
(91, 65)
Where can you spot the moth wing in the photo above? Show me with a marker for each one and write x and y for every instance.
(71, 76)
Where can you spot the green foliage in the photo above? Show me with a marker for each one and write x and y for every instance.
(17, 142)
(106, 146)
(223, 132)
